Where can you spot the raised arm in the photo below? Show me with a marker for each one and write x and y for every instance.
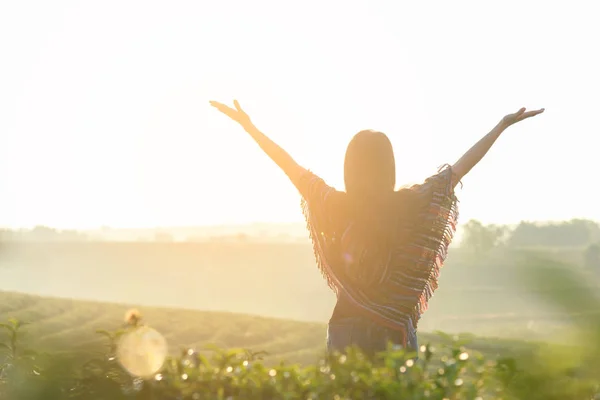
(480, 149)
(292, 169)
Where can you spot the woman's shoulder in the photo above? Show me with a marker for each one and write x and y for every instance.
(443, 181)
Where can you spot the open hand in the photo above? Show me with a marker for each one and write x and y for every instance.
(520, 116)
(236, 114)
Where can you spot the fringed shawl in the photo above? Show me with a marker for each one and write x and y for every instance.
(395, 291)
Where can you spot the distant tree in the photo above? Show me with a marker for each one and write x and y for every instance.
(576, 232)
(42, 233)
(480, 238)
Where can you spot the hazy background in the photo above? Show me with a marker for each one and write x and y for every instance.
(269, 274)
(106, 133)
(104, 116)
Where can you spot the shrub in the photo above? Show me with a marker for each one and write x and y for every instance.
(452, 372)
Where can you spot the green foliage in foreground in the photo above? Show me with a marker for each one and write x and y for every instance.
(452, 372)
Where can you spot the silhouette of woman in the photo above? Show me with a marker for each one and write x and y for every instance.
(380, 249)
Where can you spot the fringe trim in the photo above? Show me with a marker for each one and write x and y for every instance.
(316, 244)
(316, 239)
(435, 267)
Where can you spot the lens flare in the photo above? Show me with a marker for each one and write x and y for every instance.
(142, 351)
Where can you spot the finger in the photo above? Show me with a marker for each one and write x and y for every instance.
(220, 106)
(516, 116)
(226, 110)
(217, 105)
(237, 106)
(532, 113)
(230, 112)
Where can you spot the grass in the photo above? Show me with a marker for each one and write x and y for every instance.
(525, 296)
(69, 325)
(278, 280)
(66, 325)
(480, 295)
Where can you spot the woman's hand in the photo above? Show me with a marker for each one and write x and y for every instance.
(480, 149)
(520, 115)
(237, 114)
(276, 153)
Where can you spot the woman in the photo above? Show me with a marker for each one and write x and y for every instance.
(380, 250)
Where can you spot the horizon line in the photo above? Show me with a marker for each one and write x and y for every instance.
(253, 223)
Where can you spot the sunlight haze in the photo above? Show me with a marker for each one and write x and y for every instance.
(105, 118)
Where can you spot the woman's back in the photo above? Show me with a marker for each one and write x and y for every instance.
(382, 262)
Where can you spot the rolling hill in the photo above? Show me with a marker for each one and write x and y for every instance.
(200, 293)
(66, 325)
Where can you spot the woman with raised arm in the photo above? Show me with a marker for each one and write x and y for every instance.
(380, 249)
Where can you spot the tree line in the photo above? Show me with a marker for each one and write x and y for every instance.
(576, 233)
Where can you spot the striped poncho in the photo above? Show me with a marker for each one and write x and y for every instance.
(394, 290)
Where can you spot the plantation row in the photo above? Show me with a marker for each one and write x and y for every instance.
(450, 372)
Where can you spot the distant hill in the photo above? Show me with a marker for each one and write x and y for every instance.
(68, 325)
(271, 232)
(481, 295)
(257, 231)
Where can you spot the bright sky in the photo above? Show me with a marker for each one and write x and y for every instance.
(104, 115)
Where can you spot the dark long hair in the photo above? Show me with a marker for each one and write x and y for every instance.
(369, 166)
(371, 199)
(359, 232)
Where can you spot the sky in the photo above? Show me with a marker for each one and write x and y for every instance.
(105, 121)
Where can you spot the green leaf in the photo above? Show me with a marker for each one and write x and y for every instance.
(8, 327)
(104, 332)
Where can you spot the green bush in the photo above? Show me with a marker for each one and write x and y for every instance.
(452, 372)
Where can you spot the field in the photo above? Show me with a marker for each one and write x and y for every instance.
(200, 293)
(63, 325)
(70, 325)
